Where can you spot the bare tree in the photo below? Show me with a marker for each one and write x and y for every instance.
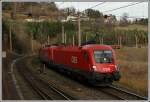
(124, 19)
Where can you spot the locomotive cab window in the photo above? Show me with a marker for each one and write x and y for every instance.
(103, 56)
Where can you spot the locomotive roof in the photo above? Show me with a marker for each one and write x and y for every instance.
(90, 46)
(97, 46)
(85, 47)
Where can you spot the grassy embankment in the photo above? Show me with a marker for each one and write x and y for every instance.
(134, 68)
(133, 26)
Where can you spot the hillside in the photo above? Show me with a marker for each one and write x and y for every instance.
(40, 21)
(29, 10)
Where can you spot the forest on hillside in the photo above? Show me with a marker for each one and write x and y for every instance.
(50, 30)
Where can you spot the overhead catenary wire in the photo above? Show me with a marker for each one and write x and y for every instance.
(61, 3)
(94, 6)
(122, 7)
(133, 17)
(132, 4)
(97, 5)
(117, 9)
(143, 17)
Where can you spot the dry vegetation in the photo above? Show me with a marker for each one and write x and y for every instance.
(133, 26)
(134, 68)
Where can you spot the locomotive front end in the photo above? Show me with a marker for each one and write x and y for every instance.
(105, 68)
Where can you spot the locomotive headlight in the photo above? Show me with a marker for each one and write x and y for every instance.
(94, 67)
(117, 67)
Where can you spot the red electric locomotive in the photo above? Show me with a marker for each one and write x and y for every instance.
(94, 62)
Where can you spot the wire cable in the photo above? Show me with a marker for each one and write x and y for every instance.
(61, 3)
(122, 7)
(94, 6)
(133, 17)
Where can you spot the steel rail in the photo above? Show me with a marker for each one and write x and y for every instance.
(59, 91)
(120, 93)
(112, 94)
(33, 80)
(33, 84)
(127, 92)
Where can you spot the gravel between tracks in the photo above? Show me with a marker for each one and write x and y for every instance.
(27, 91)
(9, 91)
(72, 87)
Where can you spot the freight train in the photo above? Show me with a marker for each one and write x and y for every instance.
(93, 62)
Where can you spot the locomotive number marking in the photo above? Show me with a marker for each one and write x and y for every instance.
(106, 69)
(74, 59)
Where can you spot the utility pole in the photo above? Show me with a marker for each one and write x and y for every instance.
(120, 41)
(79, 31)
(31, 42)
(73, 40)
(86, 37)
(31, 9)
(10, 38)
(136, 41)
(14, 11)
(65, 36)
(102, 40)
(48, 39)
(62, 33)
(31, 33)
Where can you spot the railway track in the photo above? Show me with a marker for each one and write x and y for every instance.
(46, 91)
(58, 91)
(120, 93)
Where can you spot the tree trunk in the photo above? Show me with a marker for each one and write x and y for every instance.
(10, 38)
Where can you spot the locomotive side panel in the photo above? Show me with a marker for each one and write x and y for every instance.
(72, 59)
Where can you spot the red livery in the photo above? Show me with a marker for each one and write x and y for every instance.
(94, 62)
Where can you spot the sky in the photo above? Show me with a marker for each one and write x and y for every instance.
(139, 10)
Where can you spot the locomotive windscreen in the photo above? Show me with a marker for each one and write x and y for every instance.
(103, 56)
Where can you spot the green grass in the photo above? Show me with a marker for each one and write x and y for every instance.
(134, 68)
